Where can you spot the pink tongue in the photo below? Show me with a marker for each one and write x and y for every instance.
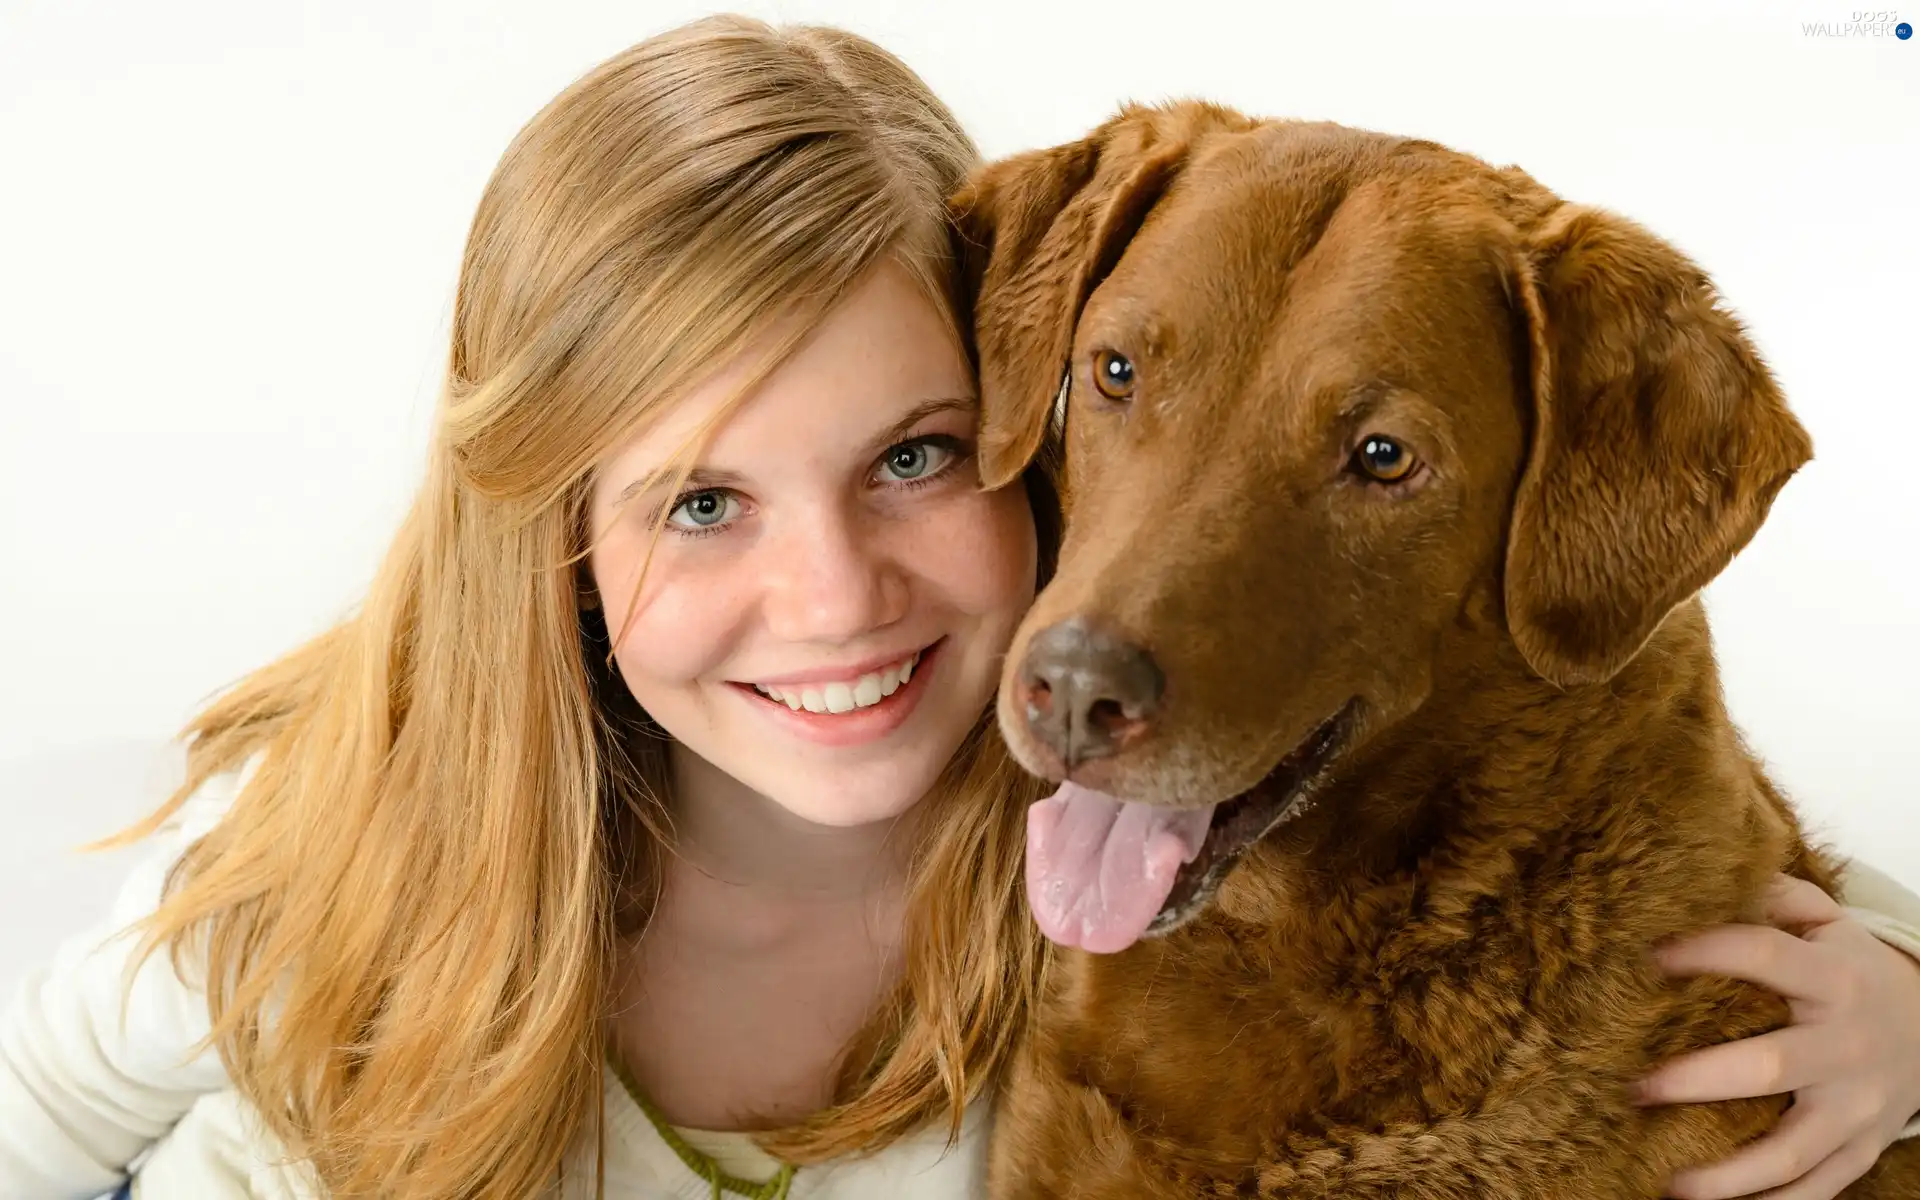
(1098, 869)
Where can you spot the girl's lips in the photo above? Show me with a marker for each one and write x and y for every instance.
(816, 679)
(861, 725)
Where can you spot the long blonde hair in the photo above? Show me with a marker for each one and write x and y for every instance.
(407, 920)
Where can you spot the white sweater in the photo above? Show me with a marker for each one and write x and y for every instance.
(84, 1093)
(85, 1090)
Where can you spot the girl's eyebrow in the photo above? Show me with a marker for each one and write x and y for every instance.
(918, 413)
(707, 478)
(698, 479)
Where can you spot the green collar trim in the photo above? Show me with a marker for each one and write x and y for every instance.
(702, 1164)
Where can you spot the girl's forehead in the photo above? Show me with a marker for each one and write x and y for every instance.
(885, 352)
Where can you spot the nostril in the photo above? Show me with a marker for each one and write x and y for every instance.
(1037, 696)
(1111, 718)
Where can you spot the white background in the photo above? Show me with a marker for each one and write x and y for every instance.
(228, 243)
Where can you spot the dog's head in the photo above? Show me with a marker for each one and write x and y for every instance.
(1330, 398)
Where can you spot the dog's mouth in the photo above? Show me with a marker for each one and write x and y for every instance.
(1103, 873)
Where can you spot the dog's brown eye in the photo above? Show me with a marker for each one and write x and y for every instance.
(1383, 459)
(1113, 375)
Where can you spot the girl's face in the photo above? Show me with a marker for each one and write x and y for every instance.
(827, 608)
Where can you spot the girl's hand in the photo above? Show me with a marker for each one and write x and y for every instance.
(1851, 1056)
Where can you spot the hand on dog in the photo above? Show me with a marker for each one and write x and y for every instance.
(1851, 1056)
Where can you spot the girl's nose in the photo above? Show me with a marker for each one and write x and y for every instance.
(832, 580)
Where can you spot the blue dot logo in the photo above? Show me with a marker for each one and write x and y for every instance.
(1903, 31)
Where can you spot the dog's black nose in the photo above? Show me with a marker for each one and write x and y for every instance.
(1086, 693)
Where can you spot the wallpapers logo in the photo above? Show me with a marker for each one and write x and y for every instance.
(1860, 25)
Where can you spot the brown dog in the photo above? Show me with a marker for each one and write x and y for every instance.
(1373, 651)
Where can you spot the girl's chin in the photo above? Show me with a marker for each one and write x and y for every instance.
(833, 808)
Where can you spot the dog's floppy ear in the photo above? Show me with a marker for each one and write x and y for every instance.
(1659, 443)
(1037, 232)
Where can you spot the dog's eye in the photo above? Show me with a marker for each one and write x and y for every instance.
(1113, 375)
(1383, 459)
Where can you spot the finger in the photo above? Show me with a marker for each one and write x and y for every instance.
(1794, 902)
(1761, 954)
(1803, 1140)
(1831, 1177)
(1767, 1065)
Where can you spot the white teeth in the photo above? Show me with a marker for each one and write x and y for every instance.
(864, 692)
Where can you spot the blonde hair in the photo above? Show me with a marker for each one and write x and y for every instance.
(407, 919)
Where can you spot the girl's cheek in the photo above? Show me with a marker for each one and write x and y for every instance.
(986, 551)
(1022, 539)
(678, 635)
(679, 627)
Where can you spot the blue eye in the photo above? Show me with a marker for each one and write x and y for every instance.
(918, 459)
(703, 510)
